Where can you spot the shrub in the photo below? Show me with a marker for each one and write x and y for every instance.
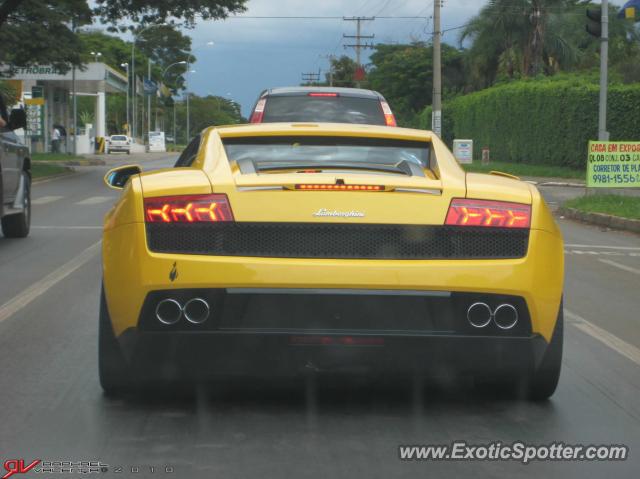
(539, 121)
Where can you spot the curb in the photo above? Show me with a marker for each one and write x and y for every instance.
(44, 179)
(87, 162)
(560, 183)
(600, 219)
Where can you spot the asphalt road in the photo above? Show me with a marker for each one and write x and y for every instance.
(52, 407)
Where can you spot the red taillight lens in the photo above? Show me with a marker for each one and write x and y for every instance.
(325, 94)
(498, 214)
(188, 209)
(258, 111)
(340, 187)
(389, 119)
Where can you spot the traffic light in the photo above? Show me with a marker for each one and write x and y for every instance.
(594, 27)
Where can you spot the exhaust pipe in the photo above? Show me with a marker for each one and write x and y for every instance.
(479, 315)
(196, 310)
(168, 311)
(505, 316)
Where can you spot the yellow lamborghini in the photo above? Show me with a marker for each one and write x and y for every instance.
(275, 249)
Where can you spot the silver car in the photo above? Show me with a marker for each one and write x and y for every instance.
(118, 143)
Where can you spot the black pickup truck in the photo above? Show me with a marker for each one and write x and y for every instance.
(15, 175)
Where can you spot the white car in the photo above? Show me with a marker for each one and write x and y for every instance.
(118, 143)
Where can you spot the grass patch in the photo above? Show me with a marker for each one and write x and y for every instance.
(175, 148)
(54, 157)
(624, 206)
(522, 169)
(42, 170)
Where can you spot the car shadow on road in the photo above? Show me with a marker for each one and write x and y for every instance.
(316, 394)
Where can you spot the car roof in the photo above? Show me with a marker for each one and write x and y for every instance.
(303, 90)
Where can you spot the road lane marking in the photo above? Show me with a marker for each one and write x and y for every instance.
(39, 287)
(625, 248)
(621, 266)
(94, 200)
(579, 252)
(62, 227)
(621, 347)
(43, 200)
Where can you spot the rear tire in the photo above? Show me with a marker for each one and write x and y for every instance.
(544, 380)
(18, 225)
(115, 375)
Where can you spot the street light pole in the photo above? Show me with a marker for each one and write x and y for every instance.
(148, 100)
(188, 119)
(133, 74)
(164, 73)
(126, 67)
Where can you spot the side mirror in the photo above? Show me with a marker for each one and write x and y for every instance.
(117, 178)
(17, 119)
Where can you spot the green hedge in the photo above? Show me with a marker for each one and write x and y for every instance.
(539, 121)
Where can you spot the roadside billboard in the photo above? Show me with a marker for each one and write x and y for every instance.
(613, 164)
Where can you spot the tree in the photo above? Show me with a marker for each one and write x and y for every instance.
(343, 70)
(204, 112)
(164, 45)
(143, 12)
(523, 38)
(404, 75)
(40, 32)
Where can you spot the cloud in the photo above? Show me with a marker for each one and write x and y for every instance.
(251, 54)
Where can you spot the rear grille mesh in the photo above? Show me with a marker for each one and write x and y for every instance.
(344, 241)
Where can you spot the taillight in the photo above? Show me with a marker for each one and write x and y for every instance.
(389, 119)
(258, 111)
(188, 209)
(312, 187)
(499, 214)
(325, 94)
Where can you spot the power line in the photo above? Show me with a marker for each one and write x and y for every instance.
(320, 17)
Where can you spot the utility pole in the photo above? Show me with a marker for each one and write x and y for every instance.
(436, 115)
(358, 45)
(331, 59)
(603, 134)
(75, 102)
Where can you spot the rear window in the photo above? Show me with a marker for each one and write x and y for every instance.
(119, 138)
(266, 153)
(332, 109)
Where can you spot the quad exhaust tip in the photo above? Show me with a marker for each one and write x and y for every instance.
(479, 315)
(505, 316)
(196, 310)
(168, 311)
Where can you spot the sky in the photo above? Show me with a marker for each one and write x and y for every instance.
(252, 54)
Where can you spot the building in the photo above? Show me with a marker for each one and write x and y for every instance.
(56, 107)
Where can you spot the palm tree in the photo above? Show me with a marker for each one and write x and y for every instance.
(514, 38)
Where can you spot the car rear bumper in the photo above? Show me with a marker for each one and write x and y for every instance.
(287, 332)
(132, 272)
